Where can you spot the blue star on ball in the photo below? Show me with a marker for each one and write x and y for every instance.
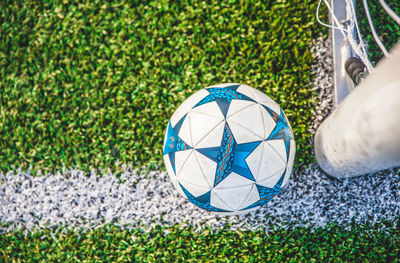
(230, 156)
(223, 97)
(174, 143)
(281, 130)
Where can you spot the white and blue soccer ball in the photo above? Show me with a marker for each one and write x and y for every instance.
(229, 148)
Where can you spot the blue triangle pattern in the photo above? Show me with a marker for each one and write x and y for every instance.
(267, 193)
(223, 97)
(230, 156)
(174, 143)
(202, 201)
(281, 130)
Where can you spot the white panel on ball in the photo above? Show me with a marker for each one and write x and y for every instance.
(187, 105)
(246, 90)
(180, 159)
(270, 164)
(254, 160)
(259, 97)
(185, 133)
(238, 105)
(195, 190)
(201, 125)
(279, 147)
(234, 192)
(210, 109)
(241, 134)
(267, 101)
(192, 173)
(251, 198)
(272, 180)
(269, 123)
(208, 167)
(251, 119)
(234, 180)
(213, 138)
(217, 202)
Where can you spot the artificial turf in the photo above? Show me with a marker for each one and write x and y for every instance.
(387, 29)
(175, 244)
(88, 83)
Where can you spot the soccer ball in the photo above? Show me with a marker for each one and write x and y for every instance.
(229, 149)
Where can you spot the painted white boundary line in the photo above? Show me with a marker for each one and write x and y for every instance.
(75, 200)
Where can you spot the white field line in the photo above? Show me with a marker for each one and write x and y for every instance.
(75, 200)
(72, 199)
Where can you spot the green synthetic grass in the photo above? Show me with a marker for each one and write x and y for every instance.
(111, 244)
(387, 29)
(87, 83)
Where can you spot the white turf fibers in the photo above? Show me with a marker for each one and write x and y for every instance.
(76, 200)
